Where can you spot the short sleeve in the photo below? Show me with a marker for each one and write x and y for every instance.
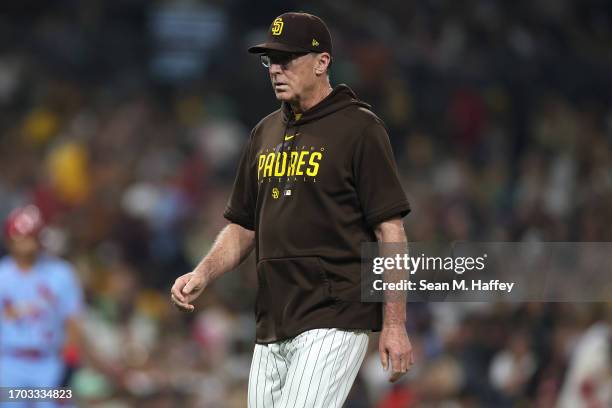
(71, 300)
(243, 199)
(377, 180)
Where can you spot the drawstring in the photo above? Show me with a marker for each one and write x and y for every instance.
(282, 149)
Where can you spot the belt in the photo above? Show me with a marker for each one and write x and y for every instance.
(27, 353)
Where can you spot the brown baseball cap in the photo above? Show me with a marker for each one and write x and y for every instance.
(296, 32)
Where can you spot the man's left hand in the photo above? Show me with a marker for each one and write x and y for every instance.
(395, 351)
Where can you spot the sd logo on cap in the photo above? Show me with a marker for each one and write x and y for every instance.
(277, 26)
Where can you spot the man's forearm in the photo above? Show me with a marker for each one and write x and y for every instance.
(232, 246)
(394, 310)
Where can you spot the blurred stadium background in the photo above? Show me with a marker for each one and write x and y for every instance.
(123, 120)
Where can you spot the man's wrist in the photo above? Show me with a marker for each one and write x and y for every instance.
(394, 325)
(202, 272)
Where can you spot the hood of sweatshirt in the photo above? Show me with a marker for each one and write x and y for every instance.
(341, 97)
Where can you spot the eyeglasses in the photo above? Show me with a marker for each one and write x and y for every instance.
(282, 59)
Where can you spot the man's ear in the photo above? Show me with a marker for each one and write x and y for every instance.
(322, 62)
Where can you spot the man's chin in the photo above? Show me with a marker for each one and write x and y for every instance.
(283, 96)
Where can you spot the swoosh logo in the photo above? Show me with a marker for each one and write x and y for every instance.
(287, 137)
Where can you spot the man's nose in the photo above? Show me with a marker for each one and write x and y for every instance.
(275, 69)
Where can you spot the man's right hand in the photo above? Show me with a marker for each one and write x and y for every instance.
(186, 289)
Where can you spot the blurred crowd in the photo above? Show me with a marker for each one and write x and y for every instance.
(123, 121)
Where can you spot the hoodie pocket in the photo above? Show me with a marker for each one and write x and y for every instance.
(292, 289)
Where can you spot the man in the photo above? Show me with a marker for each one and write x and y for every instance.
(40, 299)
(40, 304)
(317, 178)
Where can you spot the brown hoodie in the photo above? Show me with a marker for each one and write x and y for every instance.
(313, 190)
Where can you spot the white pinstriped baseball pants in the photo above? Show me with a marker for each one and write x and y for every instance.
(314, 369)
